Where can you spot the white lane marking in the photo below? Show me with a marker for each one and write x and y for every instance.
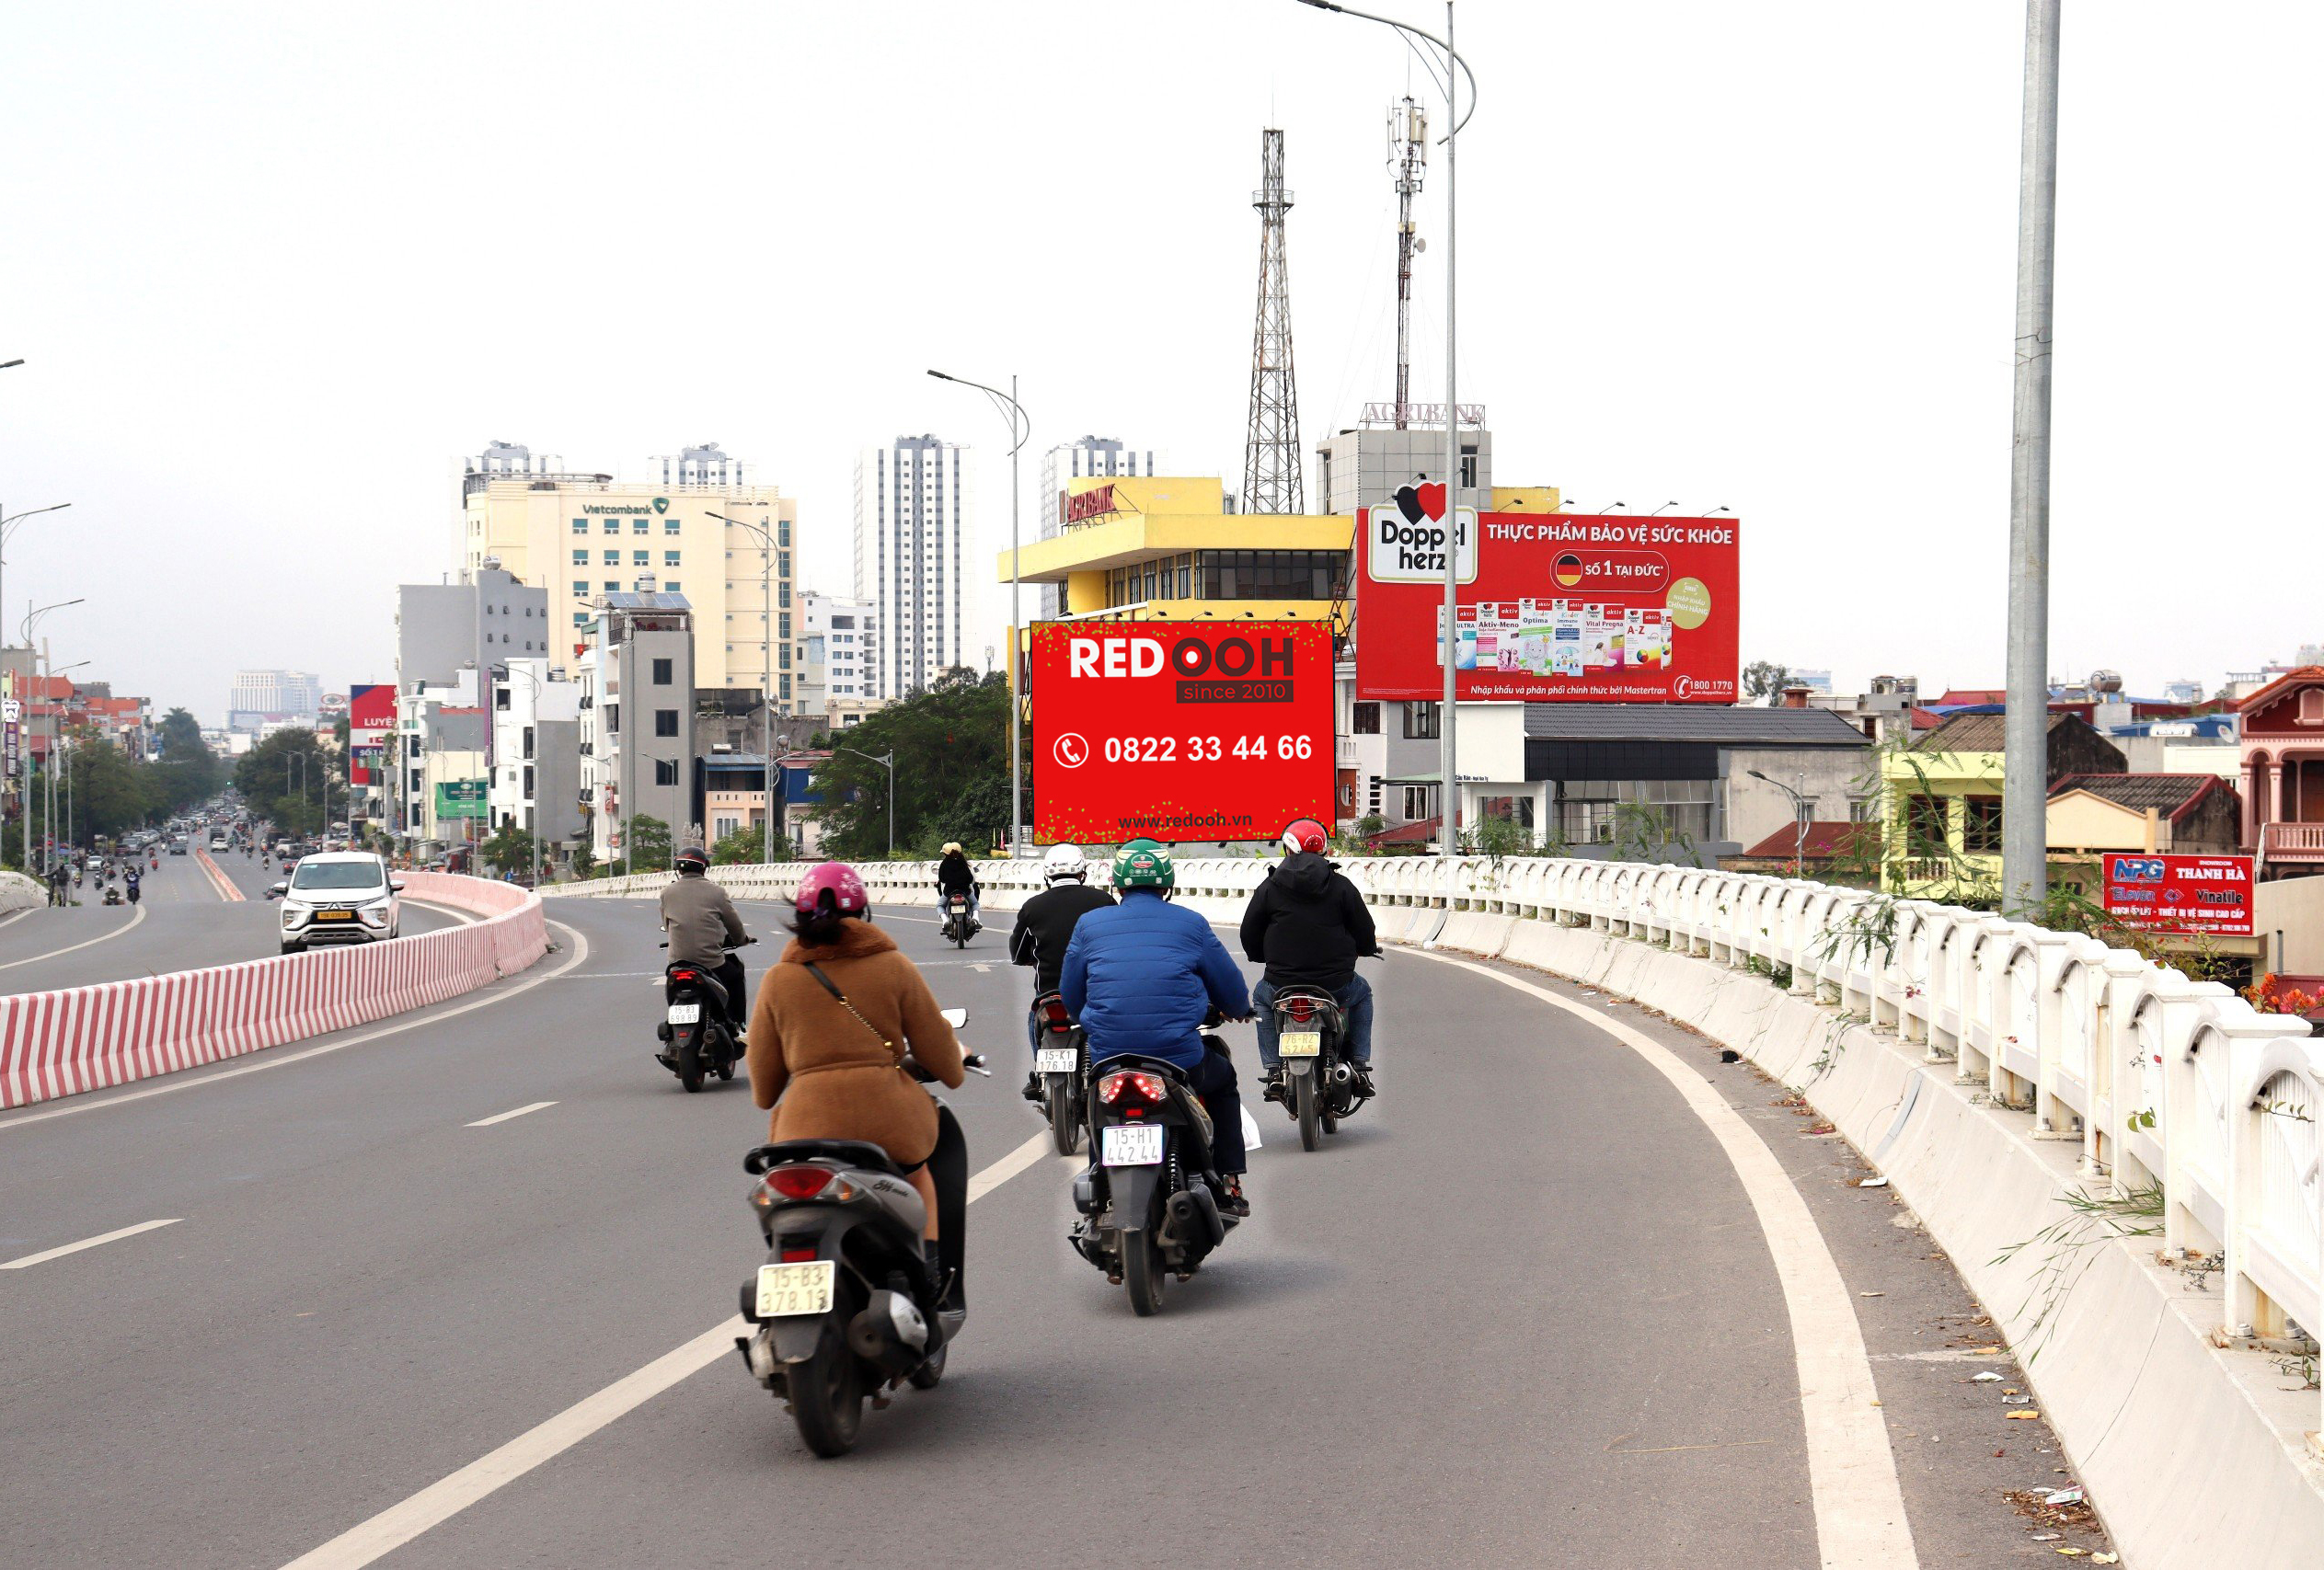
(504, 1117)
(46, 1254)
(1859, 1510)
(468, 918)
(12, 921)
(440, 1501)
(532, 978)
(137, 915)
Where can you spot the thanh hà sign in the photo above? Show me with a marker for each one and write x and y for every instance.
(2180, 894)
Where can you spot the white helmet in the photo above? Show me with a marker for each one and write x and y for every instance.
(1062, 861)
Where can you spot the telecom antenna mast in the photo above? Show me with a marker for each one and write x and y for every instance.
(1271, 452)
(1407, 155)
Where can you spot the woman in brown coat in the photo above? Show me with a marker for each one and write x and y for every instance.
(833, 1070)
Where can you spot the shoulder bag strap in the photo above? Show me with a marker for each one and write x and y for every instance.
(833, 988)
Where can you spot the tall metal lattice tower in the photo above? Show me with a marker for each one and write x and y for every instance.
(1407, 155)
(1271, 451)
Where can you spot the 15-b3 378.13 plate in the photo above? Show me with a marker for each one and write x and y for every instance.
(786, 1290)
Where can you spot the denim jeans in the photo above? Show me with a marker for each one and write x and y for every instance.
(1355, 1000)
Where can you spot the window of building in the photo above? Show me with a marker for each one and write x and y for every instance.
(1517, 809)
(1270, 574)
(613, 558)
(613, 586)
(670, 558)
(665, 722)
(642, 559)
(580, 618)
(580, 525)
(782, 530)
(500, 697)
(613, 525)
(1599, 812)
(581, 586)
(1926, 821)
(1981, 824)
(661, 672)
(669, 586)
(580, 558)
(528, 782)
(1416, 802)
(783, 623)
(528, 752)
(665, 771)
(783, 595)
(1469, 465)
(785, 689)
(838, 622)
(782, 564)
(1422, 722)
(669, 525)
(612, 718)
(1365, 720)
(639, 526)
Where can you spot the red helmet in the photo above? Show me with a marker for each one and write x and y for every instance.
(834, 883)
(1305, 834)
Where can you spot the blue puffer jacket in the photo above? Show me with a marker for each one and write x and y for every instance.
(1141, 976)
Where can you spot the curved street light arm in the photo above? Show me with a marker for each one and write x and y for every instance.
(1411, 31)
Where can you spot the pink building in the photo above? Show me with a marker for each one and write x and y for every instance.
(2283, 733)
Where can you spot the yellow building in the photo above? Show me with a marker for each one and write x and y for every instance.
(1163, 548)
(581, 535)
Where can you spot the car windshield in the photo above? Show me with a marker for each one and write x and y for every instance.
(337, 875)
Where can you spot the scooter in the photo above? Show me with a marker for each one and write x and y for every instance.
(1061, 1070)
(959, 925)
(694, 1032)
(112, 895)
(848, 1305)
(1319, 1086)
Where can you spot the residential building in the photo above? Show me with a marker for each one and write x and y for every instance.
(2283, 773)
(1089, 457)
(637, 708)
(1941, 818)
(1884, 713)
(259, 696)
(579, 536)
(450, 639)
(912, 560)
(1828, 850)
(1363, 465)
(734, 796)
(2167, 814)
(536, 764)
(838, 653)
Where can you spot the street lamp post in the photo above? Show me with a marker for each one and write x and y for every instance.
(767, 682)
(1020, 428)
(1802, 811)
(888, 761)
(7, 521)
(1448, 838)
(32, 619)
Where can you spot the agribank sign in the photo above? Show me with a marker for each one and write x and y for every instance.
(1179, 731)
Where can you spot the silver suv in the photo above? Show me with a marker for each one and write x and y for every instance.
(342, 897)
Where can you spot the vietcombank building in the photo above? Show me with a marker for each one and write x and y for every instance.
(582, 536)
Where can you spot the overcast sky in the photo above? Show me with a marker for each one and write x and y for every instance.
(274, 268)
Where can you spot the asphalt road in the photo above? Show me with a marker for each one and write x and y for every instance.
(1519, 1311)
(180, 922)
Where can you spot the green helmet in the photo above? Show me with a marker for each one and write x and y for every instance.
(1144, 864)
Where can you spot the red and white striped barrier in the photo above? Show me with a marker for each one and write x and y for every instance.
(63, 1043)
(218, 879)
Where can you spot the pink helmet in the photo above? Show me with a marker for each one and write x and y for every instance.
(835, 883)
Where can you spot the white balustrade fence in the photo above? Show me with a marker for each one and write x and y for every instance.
(2160, 1080)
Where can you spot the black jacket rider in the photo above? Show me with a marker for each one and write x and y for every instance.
(954, 875)
(1307, 924)
(1045, 925)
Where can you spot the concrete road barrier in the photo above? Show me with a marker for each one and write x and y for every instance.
(64, 1043)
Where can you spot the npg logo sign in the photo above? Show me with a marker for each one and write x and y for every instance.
(2138, 869)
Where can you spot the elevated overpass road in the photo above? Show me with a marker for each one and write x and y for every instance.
(1520, 1311)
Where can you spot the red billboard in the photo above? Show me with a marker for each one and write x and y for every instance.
(1180, 730)
(2180, 894)
(1559, 607)
(371, 716)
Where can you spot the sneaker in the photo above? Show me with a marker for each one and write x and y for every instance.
(1364, 1084)
(1276, 1082)
(1234, 1203)
(1032, 1091)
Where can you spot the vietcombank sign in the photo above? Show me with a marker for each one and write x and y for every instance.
(1175, 731)
(461, 798)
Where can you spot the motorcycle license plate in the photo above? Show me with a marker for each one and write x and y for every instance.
(788, 1290)
(334, 915)
(1056, 1060)
(1132, 1144)
(686, 1013)
(1300, 1043)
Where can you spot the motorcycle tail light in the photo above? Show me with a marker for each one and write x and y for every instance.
(1055, 1014)
(798, 1182)
(1301, 1009)
(1133, 1086)
(798, 1255)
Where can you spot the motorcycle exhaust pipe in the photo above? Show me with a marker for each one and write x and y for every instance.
(1194, 1217)
(889, 1332)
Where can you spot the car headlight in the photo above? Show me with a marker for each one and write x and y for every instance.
(373, 915)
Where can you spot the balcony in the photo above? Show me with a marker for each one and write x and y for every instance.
(2291, 842)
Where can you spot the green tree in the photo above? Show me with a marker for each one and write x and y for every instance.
(646, 845)
(1763, 680)
(283, 779)
(746, 845)
(110, 794)
(188, 771)
(509, 850)
(585, 859)
(951, 771)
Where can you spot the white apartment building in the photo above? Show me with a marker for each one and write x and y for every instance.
(536, 758)
(261, 695)
(1059, 467)
(913, 559)
(838, 640)
(582, 536)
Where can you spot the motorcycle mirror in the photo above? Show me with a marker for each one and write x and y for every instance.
(955, 1017)
(276, 891)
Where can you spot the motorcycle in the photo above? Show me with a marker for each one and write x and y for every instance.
(1061, 1063)
(133, 889)
(694, 1031)
(959, 925)
(1319, 1086)
(112, 895)
(1150, 1204)
(848, 1305)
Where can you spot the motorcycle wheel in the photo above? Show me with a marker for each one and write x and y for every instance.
(827, 1398)
(690, 1066)
(1143, 1272)
(1304, 1092)
(1064, 1120)
(927, 1374)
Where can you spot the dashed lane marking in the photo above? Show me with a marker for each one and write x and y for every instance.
(439, 1502)
(48, 1254)
(504, 1117)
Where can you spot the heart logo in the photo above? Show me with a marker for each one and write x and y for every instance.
(1432, 502)
(1408, 502)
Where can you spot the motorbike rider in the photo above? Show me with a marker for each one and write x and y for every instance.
(1309, 925)
(954, 875)
(57, 881)
(834, 1019)
(135, 882)
(1045, 925)
(1143, 975)
(701, 920)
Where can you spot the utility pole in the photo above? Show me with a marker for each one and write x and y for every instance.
(1407, 155)
(2025, 761)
